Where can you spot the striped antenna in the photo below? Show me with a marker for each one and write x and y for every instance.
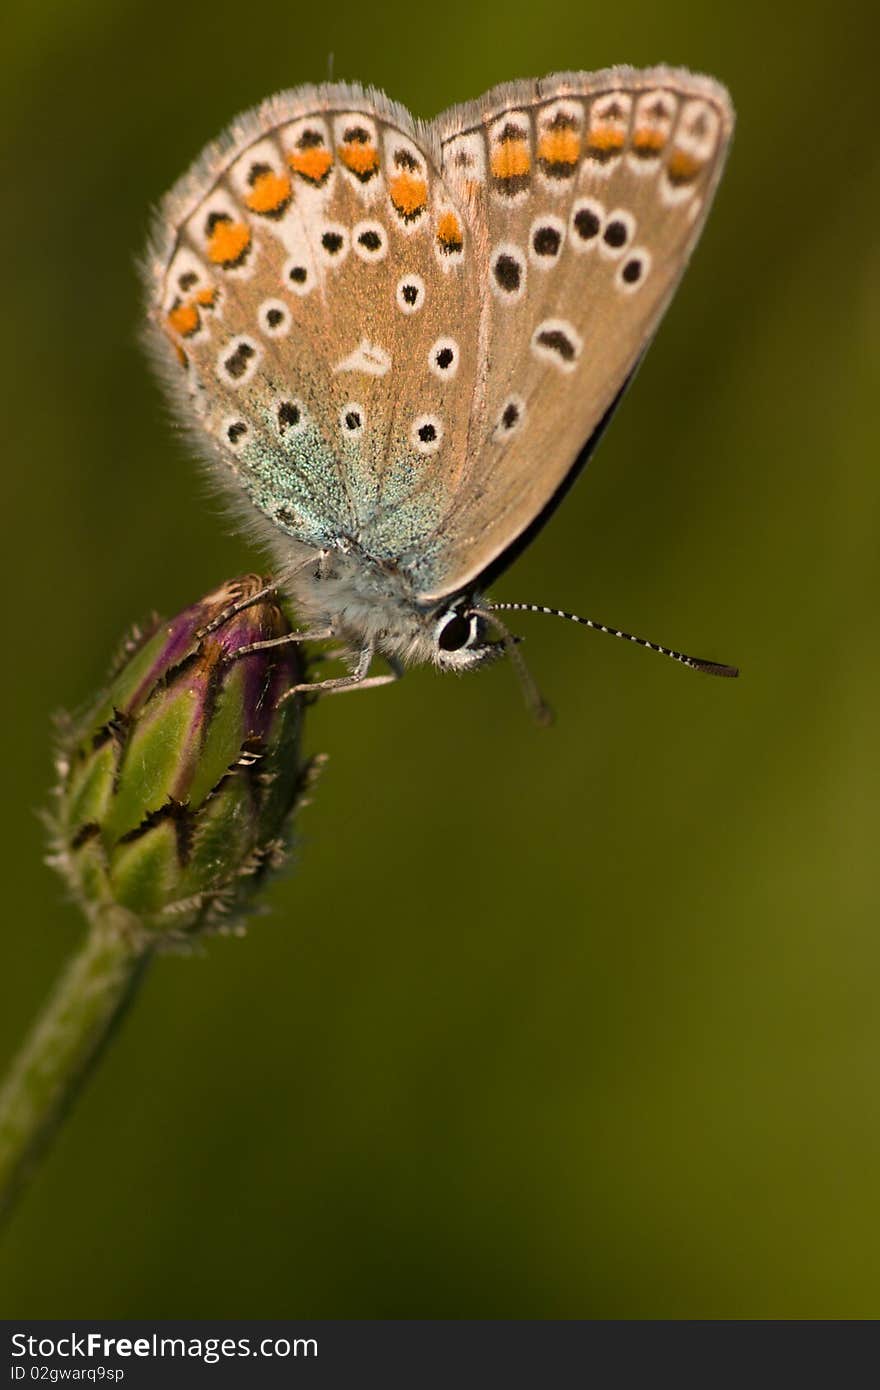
(696, 663)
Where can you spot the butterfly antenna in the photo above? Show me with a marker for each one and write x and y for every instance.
(541, 711)
(696, 663)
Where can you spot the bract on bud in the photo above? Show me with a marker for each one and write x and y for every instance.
(177, 789)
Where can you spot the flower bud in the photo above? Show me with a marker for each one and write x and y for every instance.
(177, 789)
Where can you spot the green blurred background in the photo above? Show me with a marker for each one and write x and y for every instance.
(573, 1023)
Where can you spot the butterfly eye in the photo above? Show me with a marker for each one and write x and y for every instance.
(456, 631)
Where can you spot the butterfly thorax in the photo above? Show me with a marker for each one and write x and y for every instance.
(370, 603)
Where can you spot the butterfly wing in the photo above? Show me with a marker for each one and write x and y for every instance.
(584, 195)
(308, 298)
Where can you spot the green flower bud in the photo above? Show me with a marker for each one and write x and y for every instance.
(177, 789)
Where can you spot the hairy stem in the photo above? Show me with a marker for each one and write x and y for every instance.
(64, 1045)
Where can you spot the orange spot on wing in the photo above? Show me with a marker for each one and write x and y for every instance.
(207, 297)
(228, 242)
(606, 138)
(449, 233)
(362, 160)
(184, 319)
(270, 193)
(312, 164)
(511, 159)
(408, 194)
(648, 141)
(682, 167)
(559, 147)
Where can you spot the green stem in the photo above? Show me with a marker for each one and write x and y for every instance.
(64, 1046)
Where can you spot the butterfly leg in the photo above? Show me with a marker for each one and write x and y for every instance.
(268, 591)
(358, 680)
(368, 682)
(233, 609)
(317, 634)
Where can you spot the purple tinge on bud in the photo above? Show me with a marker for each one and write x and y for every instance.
(259, 622)
(177, 791)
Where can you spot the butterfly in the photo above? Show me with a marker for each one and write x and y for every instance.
(396, 343)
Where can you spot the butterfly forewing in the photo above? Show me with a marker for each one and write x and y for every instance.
(585, 195)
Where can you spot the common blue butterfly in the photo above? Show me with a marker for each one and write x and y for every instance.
(397, 342)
